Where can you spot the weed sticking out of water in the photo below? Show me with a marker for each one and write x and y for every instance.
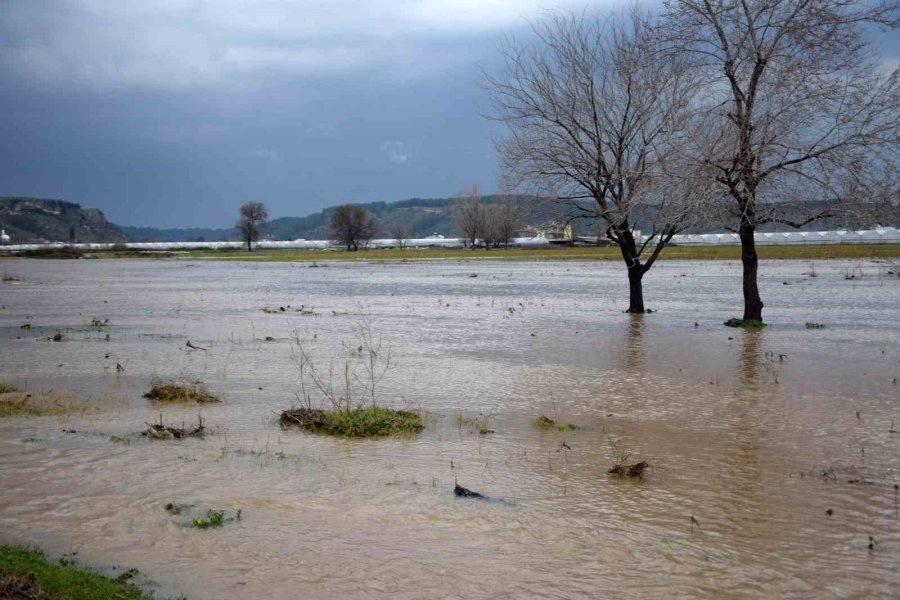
(172, 391)
(811, 325)
(480, 424)
(624, 467)
(212, 518)
(26, 574)
(744, 324)
(361, 422)
(160, 431)
(545, 423)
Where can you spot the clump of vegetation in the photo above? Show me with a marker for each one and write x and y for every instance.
(160, 431)
(479, 424)
(16, 403)
(59, 336)
(624, 467)
(350, 388)
(7, 277)
(172, 391)
(27, 575)
(811, 325)
(545, 423)
(745, 323)
(372, 421)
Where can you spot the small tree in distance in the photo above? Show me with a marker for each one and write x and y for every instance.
(352, 226)
(253, 216)
(468, 214)
(400, 232)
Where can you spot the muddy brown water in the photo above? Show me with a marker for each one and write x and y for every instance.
(739, 426)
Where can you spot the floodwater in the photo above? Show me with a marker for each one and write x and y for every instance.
(756, 434)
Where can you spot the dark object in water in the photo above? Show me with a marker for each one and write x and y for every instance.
(158, 431)
(467, 493)
(193, 347)
(635, 470)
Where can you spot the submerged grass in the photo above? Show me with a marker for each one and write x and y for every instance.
(545, 423)
(480, 424)
(16, 403)
(173, 391)
(361, 422)
(806, 252)
(27, 574)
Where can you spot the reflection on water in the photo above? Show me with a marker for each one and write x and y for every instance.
(739, 425)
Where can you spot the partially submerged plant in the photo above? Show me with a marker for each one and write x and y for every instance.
(214, 518)
(347, 390)
(811, 325)
(623, 467)
(479, 424)
(14, 403)
(744, 323)
(171, 391)
(159, 431)
(545, 423)
(362, 422)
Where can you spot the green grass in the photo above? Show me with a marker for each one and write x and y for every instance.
(547, 424)
(807, 252)
(362, 422)
(57, 582)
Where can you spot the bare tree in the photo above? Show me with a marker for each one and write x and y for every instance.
(468, 214)
(506, 220)
(800, 121)
(400, 232)
(352, 226)
(594, 113)
(252, 217)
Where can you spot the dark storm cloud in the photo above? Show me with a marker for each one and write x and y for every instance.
(174, 112)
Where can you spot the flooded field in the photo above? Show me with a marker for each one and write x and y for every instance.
(773, 453)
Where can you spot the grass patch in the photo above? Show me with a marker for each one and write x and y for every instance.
(744, 324)
(16, 403)
(26, 574)
(795, 252)
(545, 423)
(361, 422)
(172, 391)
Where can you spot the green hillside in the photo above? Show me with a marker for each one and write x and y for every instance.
(35, 219)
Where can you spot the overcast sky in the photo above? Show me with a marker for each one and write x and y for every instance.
(175, 112)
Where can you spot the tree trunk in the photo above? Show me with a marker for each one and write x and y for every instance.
(249, 244)
(753, 304)
(635, 289)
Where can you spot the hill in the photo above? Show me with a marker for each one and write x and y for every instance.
(37, 219)
(425, 216)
